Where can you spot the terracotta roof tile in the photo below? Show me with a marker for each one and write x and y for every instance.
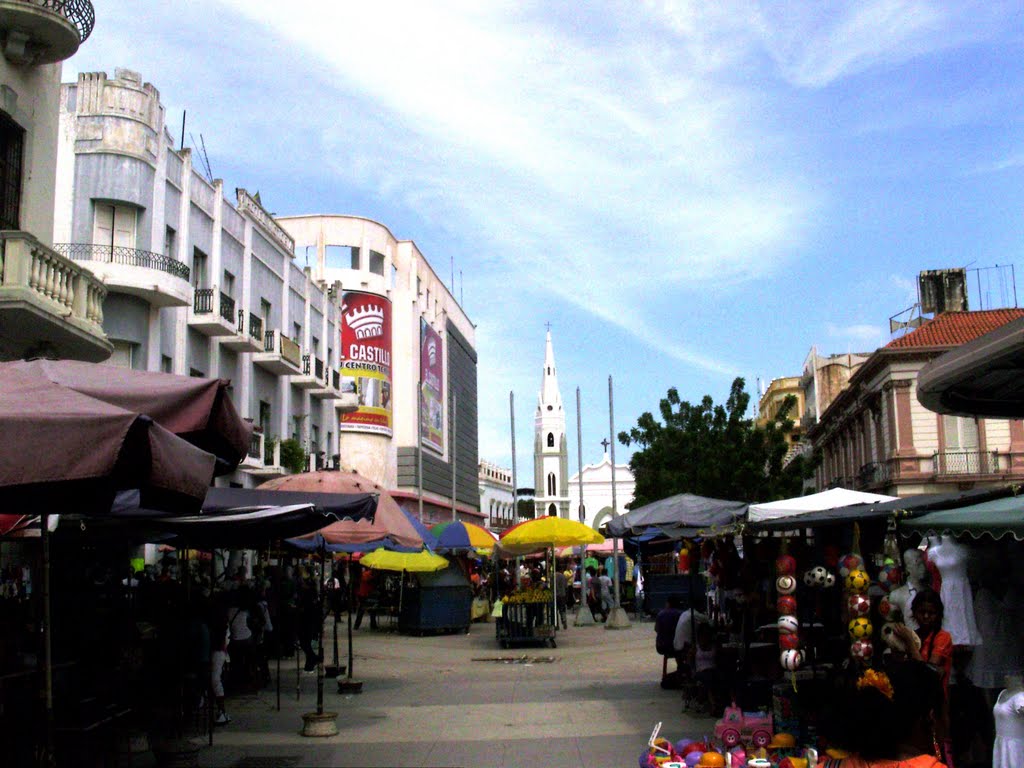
(951, 329)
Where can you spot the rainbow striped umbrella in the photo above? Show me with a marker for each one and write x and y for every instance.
(458, 535)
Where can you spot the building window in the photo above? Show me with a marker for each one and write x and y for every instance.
(199, 266)
(341, 257)
(169, 242)
(314, 438)
(166, 364)
(377, 263)
(961, 434)
(229, 284)
(195, 373)
(265, 417)
(297, 330)
(551, 439)
(306, 254)
(123, 355)
(314, 346)
(12, 145)
(265, 309)
(551, 484)
(297, 428)
(114, 225)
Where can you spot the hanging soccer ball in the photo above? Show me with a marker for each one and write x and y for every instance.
(786, 605)
(888, 611)
(862, 649)
(858, 605)
(791, 660)
(786, 585)
(830, 580)
(820, 575)
(809, 578)
(785, 565)
(889, 576)
(789, 642)
(894, 642)
(860, 628)
(857, 581)
(788, 625)
(848, 563)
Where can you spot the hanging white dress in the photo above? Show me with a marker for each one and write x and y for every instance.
(957, 601)
(999, 654)
(1008, 751)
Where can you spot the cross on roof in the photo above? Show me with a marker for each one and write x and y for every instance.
(606, 442)
(548, 326)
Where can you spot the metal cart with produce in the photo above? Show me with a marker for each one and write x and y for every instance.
(526, 623)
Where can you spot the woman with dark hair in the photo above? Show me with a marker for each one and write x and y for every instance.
(889, 721)
(936, 644)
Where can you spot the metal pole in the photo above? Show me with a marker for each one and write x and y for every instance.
(581, 614)
(451, 448)
(515, 484)
(419, 434)
(620, 619)
(44, 534)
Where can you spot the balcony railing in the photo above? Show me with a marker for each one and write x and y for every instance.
(965, 462)
(202, 304)
(79, 12)
(227, 307)
(256, 445)
(306, 367)
(873, 473)
(116, 254)
(255, 326)
(336, 379)
(27, 263)
(278, 343)
(318, 368)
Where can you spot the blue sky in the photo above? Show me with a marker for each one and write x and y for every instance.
(686, 191)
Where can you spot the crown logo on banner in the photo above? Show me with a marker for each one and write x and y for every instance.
(432, 352)
(367, 321)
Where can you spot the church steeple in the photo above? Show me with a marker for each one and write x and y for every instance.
(551, 456)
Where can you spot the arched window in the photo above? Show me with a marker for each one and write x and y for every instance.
(551, 484)
(551, 439)
(552, 511)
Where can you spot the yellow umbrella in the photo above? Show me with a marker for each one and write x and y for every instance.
(548, 531)
(423, 561)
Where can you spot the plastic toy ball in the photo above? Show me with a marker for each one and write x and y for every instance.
(860, 628)
(786, 605)
(788, 625)
(857, 581)
(693, 759)
(862, 649)
(848, 563)
(819, 574)
(889, 576)
(791, 660)
(809, 578)
(712, 760)
(681, 745)
(789, 642)
(785, 565)
(786, 585)
(859, 605)
(888, 611)
(830, 580)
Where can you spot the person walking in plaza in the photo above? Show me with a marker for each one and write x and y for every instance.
(605, 582)
(365, 590)
(560, 597)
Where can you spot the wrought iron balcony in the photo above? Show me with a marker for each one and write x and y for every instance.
(280, 355)
(116, 254)
(873, 473)
(306, 367)
(203, 302)
(44, 31)
(318, 368)
(965, 462)
(256, 445)
(256, 326)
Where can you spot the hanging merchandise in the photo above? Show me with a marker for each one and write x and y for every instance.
(858, 605)
(789, 626)
(856, 583)
(786, 585)
(889, 576)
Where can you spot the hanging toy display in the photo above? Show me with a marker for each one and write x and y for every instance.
(786, 605)
(849, 563)
(791, 660)
(786, 585)
(856, 583)
(785, 565)
(858, 605)
(789, 626)
(890, 576)
(862, 650)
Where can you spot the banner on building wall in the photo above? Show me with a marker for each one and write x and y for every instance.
(431, 388)
(366, 361)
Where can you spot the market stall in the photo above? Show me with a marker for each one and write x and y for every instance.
(436, 601)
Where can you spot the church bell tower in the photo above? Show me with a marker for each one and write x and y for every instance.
(550, 453)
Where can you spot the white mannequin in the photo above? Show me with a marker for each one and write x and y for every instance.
(903, 595)
(950, 558)
(1008, 750)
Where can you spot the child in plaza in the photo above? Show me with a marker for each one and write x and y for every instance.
(704, 656)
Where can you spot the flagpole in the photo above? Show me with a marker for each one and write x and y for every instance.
(583, 618)
(515, 486)
(618, 618)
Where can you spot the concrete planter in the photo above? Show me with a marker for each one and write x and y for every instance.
(346, 685)
(320, 724)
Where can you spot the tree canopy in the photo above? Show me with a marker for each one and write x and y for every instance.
(713, 450)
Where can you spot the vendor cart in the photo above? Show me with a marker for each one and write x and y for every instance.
(522, 623)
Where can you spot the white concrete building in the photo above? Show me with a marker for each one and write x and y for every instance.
(597, 491)
(496, 497)
(550, 452)
(199, 285)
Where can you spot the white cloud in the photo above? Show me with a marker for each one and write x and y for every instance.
(862, 333)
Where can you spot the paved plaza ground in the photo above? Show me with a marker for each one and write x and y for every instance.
(455, 700)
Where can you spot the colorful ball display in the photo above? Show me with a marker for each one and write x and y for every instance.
(786, 585)
(692, 759)
(785, 565)
(830, 580)
(791, 660)
(858, 605)
(890, 576)
(786, 605)
(887, 610)
(860, 628)
(788, 625)
(862, 649)
(848, 563)
(789, 642)
(857, 581)
(712, 760)
(809, 578)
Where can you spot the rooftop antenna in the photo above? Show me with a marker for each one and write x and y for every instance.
(184, 112)
(201, 146)
(462, 287)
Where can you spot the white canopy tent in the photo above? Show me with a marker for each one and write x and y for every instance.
(816, 502)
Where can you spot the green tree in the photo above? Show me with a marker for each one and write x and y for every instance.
(712, 450)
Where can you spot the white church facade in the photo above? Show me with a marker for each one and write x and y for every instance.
(597, 491)
(550, 448)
